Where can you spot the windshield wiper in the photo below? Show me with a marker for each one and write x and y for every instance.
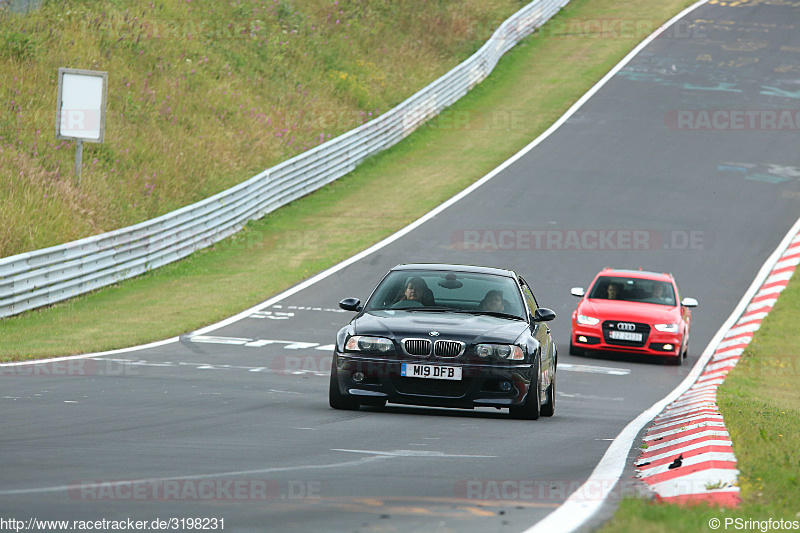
(498, 314)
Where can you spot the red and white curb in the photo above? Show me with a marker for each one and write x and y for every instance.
(689, 455)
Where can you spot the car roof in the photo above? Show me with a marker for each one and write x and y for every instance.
(641, 274)
(457, 268)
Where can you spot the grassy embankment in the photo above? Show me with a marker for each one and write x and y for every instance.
(760, 401)
(202, 95)
(555, 67)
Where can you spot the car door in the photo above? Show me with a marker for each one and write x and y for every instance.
(541, 332)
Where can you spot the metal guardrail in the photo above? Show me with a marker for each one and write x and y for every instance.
(43, 277)
(20, 6)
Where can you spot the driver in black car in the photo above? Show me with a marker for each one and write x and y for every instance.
(414, 294)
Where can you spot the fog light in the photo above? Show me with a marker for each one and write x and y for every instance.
(668, 347)
(505, 386)
(581, 338)
(358, 377)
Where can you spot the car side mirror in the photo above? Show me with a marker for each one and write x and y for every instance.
(577, 291)
(351, 304)
(543, 314)
(689, 302)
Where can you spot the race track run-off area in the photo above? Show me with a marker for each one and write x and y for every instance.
(232, 422)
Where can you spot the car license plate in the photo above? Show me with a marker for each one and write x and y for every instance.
(412, 370)
(625, 336)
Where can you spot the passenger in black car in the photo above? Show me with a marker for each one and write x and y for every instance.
(493, 301)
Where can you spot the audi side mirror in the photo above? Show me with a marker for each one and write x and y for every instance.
(577, 291)
(689, 302)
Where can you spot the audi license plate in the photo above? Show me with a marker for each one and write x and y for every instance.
(412, 370)
(625, 336)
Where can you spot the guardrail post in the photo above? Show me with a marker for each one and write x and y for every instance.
(78, 160)
(42, 277)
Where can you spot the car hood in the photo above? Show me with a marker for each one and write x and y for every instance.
(630, 311)
(467, 328)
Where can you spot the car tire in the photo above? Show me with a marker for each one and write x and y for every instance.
(532, 408)
(573, 350)
(549, 408)
(678, 361)
(336, 399)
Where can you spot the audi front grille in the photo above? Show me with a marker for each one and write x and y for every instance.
(627, 327)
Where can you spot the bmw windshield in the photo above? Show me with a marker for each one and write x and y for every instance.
(448, 291)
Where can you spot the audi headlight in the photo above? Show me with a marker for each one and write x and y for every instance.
(666, 328)
(588, 320)
(509, 352)
(361, 343)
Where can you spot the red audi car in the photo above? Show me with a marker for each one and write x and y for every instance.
(632, 311)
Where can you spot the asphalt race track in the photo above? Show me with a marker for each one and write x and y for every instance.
(683, 162)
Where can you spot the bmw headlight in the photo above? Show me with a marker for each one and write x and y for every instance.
(666, 328)
(509, 352)
(588, 320)
(361, 343)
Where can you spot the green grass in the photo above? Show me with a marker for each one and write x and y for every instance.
(759, 399)
(760, 402)
(491, 123)
(202, 95)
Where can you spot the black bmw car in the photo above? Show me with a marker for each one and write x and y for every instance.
(447, 336)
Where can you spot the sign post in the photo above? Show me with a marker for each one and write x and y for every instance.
(81, 109)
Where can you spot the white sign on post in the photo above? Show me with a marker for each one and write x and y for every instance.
(81, 108)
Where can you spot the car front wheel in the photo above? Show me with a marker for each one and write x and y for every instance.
(573, 350)
(549, 408)
(336, 399)
(532, 408)
(676, 360)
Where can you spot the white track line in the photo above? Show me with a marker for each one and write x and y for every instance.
(574, 512)
(577, 510)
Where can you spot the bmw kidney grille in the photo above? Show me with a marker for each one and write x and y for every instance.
(417, 346)
(448, 348)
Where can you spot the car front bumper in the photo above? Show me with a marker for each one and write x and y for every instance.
(481, 385)
(657, 343)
